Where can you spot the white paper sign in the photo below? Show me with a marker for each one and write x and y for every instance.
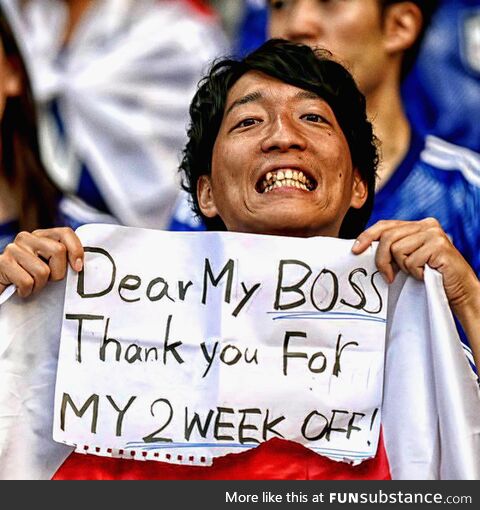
(182, 347)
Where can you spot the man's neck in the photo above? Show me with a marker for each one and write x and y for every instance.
(392, 128)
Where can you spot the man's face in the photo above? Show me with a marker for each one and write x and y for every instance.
(280, 164)
(350, 29)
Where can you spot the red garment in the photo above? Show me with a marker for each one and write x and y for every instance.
(276, 459)
(201, 7)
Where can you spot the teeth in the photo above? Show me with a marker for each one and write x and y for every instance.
(292, 178)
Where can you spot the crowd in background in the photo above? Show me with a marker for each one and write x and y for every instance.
(111, 82)
(443, 90)
(95, 103)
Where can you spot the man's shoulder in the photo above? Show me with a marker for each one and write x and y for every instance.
(447, 157)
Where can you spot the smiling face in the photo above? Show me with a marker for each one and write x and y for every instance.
(280, 164)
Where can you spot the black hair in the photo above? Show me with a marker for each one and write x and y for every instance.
(35, 194)
(302, 67)
(427, 8)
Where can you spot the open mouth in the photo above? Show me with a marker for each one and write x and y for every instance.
(285, 178)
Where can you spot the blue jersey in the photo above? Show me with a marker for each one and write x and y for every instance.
(440, 180)
(252, 29)
(442, 94)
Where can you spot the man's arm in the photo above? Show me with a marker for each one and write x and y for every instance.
(409, 246)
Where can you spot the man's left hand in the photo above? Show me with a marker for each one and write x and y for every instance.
(410, 245)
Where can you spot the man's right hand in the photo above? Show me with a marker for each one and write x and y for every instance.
(35, 258)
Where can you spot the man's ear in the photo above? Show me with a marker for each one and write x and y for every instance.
(402, 25)
(12, 78)
(359, 191)
(205, 197)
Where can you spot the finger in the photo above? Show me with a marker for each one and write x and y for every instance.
(53, 251)
(386, 259)
(435, 251)
(427, 246)
(70, 240)
(405, 247)
(57, 260)
(49, 251)
(38, 271)
(13, 274)
(3, 286)
(24, 282)
(439, 253)
(373, 233)
(416, 262)
(385, 265)
(377, 230)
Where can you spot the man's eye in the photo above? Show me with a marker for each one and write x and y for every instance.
(246, 123)
(314, 117)
(277, 4)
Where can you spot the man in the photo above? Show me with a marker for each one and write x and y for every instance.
(279, 143)
(379, 40)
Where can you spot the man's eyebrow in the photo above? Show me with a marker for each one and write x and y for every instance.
(307, 94)
(249, 98)
(255, 96)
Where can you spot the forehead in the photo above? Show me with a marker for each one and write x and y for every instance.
(283, 5)
(256, 87)
(303, 20)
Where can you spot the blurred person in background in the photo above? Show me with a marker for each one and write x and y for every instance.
(252, 28)
(28, 197)
(442, 93)
(378, 40)
(112, 80)
(445, 80)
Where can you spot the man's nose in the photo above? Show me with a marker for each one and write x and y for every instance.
(304, 23)
(283, 136)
